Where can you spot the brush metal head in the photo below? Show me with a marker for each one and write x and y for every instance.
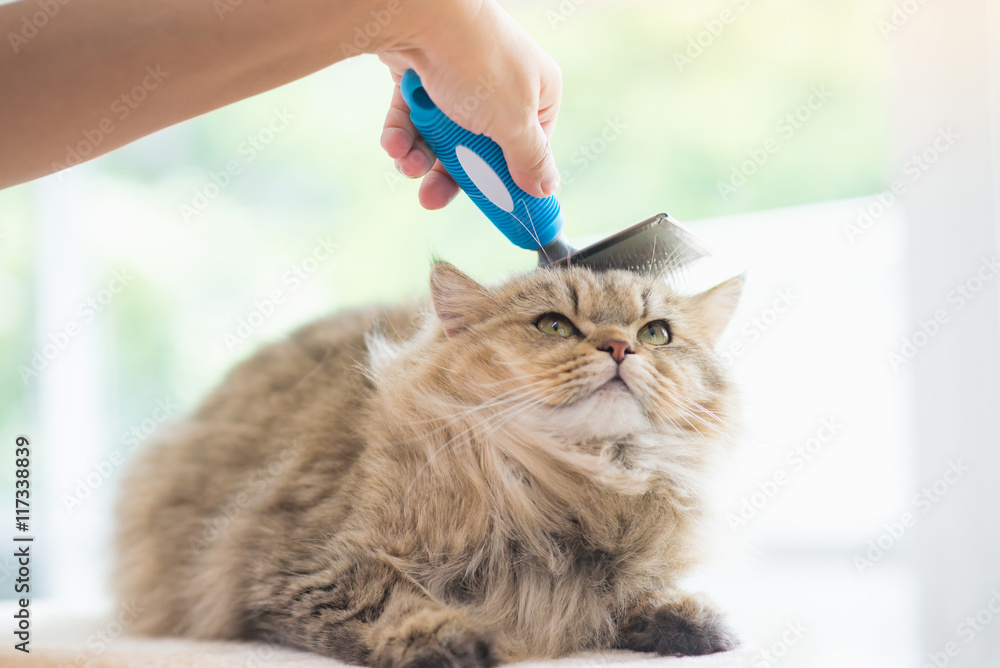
(658, 245)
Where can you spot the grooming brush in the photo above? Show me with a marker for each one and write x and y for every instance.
(658, 244)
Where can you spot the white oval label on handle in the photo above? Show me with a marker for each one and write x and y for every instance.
(480, 173)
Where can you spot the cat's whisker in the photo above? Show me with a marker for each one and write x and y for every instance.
(689, 413)
(683, 412)
(455, 439)
(498, 362)
(700, 408)
(515, 379)
(498, 400)
(684, 417)
(522, 396)
(674, 396)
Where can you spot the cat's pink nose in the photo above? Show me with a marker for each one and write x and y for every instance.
(618, 349)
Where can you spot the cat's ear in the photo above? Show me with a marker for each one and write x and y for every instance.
(715, 307)
(458, 300)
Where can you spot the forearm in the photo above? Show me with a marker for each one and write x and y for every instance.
(86, 69)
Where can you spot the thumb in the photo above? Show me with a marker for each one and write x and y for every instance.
(529, 159)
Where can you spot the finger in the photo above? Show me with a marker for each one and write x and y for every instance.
(398, 132)
(547, 119)
(529, 159)
(418, 161)
(396, 66)
(549, 99)
(437, 188)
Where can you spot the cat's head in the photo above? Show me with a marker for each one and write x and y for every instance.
(594, 355)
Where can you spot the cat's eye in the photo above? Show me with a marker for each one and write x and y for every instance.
(554, 324)
(656, 333)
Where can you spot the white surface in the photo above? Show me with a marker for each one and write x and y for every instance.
(78, 640)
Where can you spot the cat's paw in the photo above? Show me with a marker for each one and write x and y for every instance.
(435, 639)
(682, 626)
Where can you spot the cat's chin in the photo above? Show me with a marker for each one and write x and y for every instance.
(610, 412)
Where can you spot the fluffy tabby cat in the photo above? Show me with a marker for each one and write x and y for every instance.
(513, 473)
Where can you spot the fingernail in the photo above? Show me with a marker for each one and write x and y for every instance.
(550, 184)
(419, 161)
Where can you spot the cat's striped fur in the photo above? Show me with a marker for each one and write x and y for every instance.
(450, 487)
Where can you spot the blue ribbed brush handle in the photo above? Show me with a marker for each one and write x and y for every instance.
(477, 164)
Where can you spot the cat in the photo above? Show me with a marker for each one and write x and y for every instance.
(511, 472)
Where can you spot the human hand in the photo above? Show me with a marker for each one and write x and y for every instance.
(488, 75)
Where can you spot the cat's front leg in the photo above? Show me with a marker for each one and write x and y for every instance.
(362, 611)
(430, 636)
(678, 624)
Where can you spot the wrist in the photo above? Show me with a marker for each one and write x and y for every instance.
(419, 30)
